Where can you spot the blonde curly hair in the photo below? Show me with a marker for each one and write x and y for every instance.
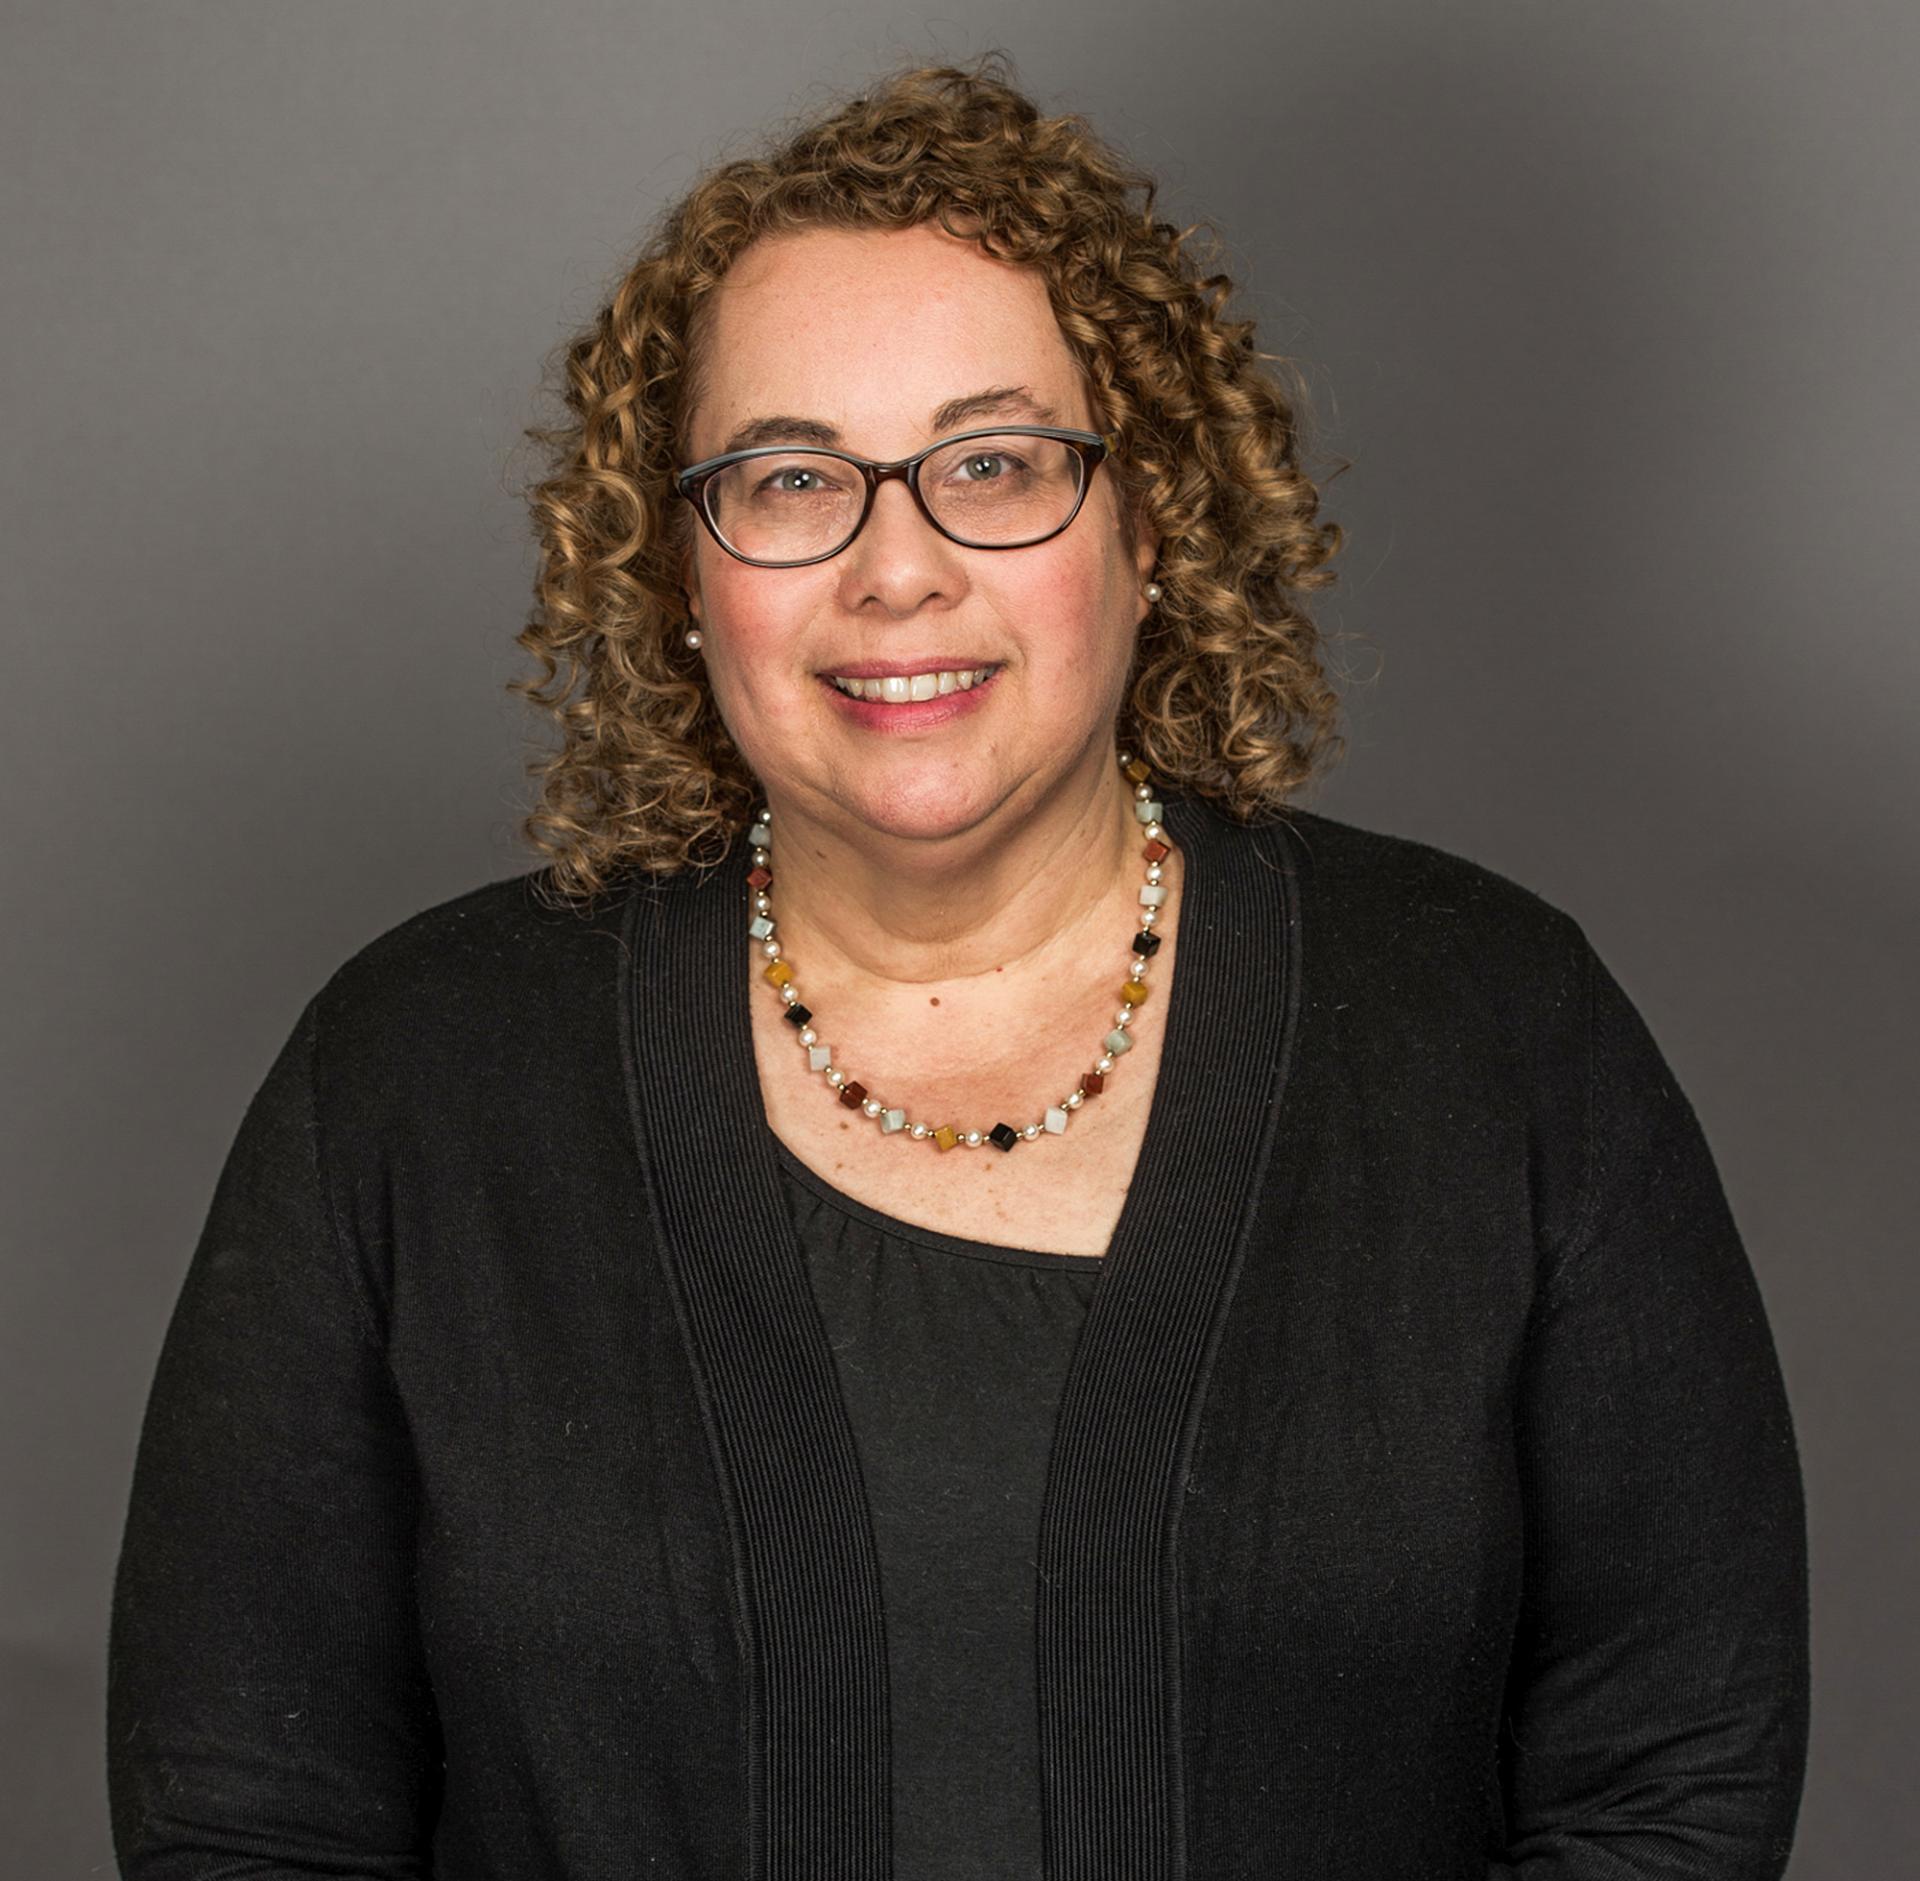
(1228, 698)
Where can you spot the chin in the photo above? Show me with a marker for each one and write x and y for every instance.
(923, 809)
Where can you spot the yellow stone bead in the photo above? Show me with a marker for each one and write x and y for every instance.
(1133, 992)
(779, 973)
(945, 1136)
(1137, 770)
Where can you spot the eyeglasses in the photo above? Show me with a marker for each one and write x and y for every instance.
(776, 506)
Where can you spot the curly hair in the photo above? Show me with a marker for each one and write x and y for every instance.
(1227, 699)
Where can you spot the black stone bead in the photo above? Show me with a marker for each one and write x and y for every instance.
(1005, 1135)
(797, 1015)
(1146, 944)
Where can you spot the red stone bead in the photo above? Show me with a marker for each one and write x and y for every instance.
(759, 878)
(1156, 852)
(853, 1095)
(1093, 1084)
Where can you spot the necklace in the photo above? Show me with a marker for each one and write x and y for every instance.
(893, 1121)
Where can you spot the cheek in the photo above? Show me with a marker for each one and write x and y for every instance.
(1074, 617)
(759, 619)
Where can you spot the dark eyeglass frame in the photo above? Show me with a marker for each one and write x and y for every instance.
(1093, 447)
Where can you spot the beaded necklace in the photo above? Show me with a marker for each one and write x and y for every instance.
(945, 1136)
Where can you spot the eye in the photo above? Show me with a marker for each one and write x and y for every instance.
(807, 480)
(997, 464)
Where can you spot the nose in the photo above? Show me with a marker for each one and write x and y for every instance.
(899, 559)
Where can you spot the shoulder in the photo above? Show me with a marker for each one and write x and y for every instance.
(1390, 890)
(1397, 926)
(473, 992)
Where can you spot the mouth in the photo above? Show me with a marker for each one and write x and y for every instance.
(911, 686)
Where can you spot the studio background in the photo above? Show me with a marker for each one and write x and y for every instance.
(1611, 306)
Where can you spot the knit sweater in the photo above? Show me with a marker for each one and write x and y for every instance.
(1423, 1501)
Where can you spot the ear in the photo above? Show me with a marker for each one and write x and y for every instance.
(689, 580)
(1146, 551)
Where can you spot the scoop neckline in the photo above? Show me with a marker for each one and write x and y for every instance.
(883, 1223)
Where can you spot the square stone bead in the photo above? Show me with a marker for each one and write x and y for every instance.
(1156, 852)
(1146, 944)
(1152, 894)
(1056, 1119)
(946, 1136)
(1133, 992)
(760, 836)
(760, 927)
(1137, 770)
(853, 1095)
(1093, 1084)
(1117, 1042)
(1148, 812)
(892, 1120)
(819, 1057)
(1003, 1136)
(758, 878)
(779, 973)
(797, 1015)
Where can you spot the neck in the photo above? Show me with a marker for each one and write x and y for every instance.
(1008, 895)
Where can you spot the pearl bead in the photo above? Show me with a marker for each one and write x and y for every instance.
(872, 1107)
(1031, 1131)
(835, 1076)
(1143, 792)
(1140, 964)
(1104, 1064)
(1153, 871)
(761, 903)
(972, 1139)
(919, 1132)
(1148, 916)
(1074, 1100)
(808, 1036)
(771, 948)
(1152, 833)
(790, 993)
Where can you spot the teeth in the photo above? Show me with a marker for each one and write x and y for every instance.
(901, 688)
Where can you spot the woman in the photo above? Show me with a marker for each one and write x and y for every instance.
(1130, 1330)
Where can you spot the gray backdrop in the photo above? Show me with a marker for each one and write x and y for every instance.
(1613, 305)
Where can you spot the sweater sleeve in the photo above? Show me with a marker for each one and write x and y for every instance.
(1657, 1707)
(268, 1708)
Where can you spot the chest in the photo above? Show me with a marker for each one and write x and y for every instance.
(1059, 1194)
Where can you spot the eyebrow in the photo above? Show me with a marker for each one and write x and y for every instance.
(995, 402)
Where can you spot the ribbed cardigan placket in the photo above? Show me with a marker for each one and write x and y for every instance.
(809, 1610)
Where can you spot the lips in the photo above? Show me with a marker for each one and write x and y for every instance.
(895, 684)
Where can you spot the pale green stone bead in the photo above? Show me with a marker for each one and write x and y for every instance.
(819, 1057)
(1148, 812)
(760, 927)
(1118, 1042)
(892, 1120)
(1056, 1119)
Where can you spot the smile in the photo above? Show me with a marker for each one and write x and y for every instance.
(905, 688)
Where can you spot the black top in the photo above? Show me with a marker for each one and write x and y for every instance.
(951, 1355)
(1423, 1499)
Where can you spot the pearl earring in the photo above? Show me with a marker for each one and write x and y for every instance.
(1153, 591)
(693, 636)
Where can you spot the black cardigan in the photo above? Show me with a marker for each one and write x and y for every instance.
(1424, 1501)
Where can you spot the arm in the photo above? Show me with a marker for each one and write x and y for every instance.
(1657, 1707)
(268, 1709)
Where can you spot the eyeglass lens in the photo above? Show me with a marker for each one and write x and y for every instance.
(989, 492)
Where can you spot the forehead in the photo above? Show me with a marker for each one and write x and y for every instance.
(869, 331)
